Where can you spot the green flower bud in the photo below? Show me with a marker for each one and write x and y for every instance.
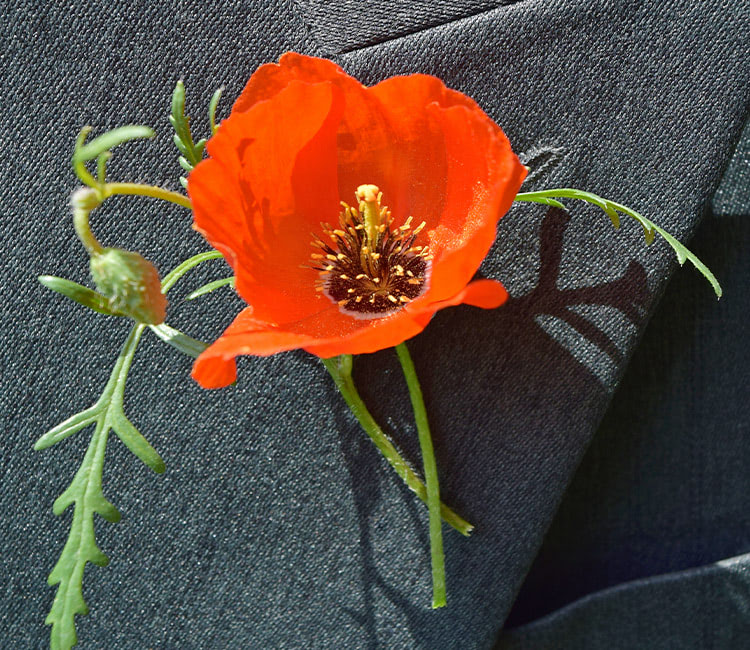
(131, 284)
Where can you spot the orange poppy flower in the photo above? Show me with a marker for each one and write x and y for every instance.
(320, 274)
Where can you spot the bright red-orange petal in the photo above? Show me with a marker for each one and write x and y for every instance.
(486, 294)
(267, 185)
(463, 173)
(216, 368)
(271, 78)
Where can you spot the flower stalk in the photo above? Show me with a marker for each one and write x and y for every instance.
(430, 474)
(340, 369)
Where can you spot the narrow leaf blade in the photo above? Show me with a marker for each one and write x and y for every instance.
(209, 287)
(212, 109)
(111, 139)
(683, 254)
(78, 293)
(134, 440)
(182, 342)
(67, 428)
(176, 273)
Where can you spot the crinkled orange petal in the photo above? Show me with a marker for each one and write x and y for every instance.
(268, 184)
(463, 173)
(369, 148)
(216, 367)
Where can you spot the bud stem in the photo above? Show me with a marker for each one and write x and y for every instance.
(81, 225)
(110, 189)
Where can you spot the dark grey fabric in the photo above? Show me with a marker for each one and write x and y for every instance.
(697, 609)
(350, 24)
(277, 524)
(664, 486)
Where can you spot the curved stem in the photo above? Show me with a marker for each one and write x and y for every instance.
(171, 278)
(110, 189)
(430, 475)
(83, 230)
(340, 369)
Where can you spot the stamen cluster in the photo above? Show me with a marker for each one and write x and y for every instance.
(371, 268)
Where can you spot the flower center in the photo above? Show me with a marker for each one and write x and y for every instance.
(370, 268)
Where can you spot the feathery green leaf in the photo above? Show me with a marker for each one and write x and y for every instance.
(611, 209)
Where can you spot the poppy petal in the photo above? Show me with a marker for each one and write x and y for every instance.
(268, 184)
(486, 294)
(464, 174)
(216, 368)
(304, 135)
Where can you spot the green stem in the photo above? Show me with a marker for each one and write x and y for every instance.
(83, 230)
(122, 366)
(109, 189)
(176, 273)
(430, 475)
(340, 369)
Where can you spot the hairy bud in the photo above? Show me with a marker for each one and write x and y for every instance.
(131, 284)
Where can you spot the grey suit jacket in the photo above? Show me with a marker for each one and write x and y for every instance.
(277, 525)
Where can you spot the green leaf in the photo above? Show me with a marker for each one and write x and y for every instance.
(81, 547)
(185, 164)
(67, 428)
(182, 342)
(175, 274)
(134, 440)
(77, 292)
(211, 286)
(85, 494)
(109, 140)
(177, 140)
(613, 216)
(181, 124)
(684, 254)
(212, 109)
(610, 208)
